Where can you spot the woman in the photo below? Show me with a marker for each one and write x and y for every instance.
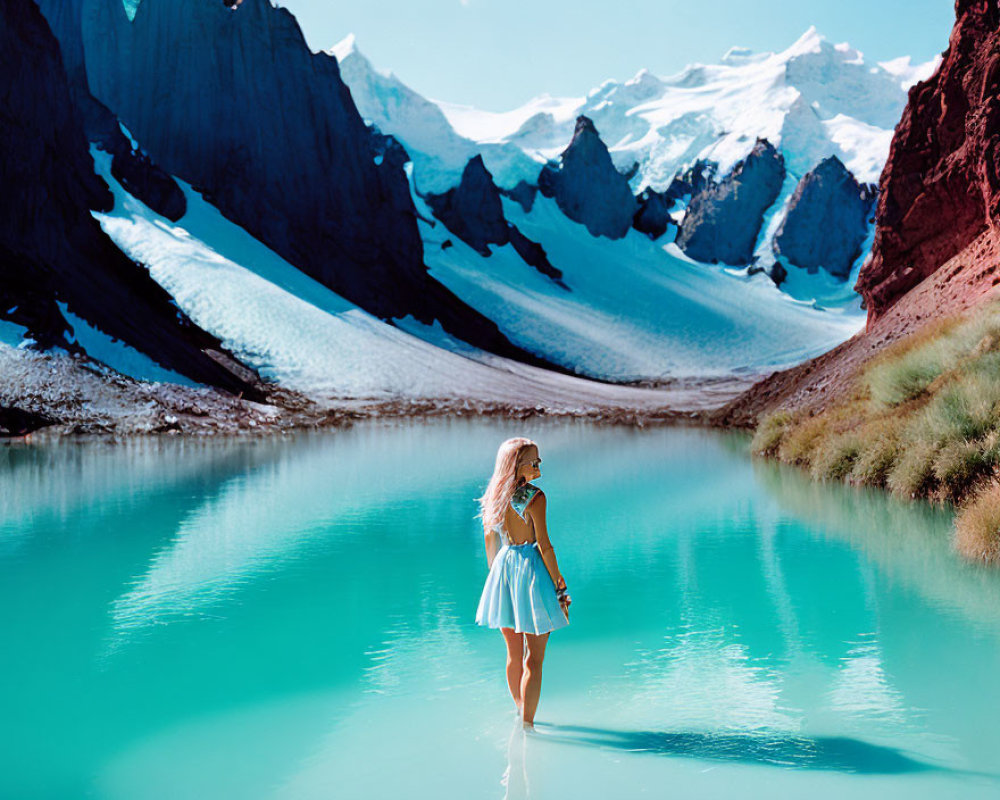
(525, 594)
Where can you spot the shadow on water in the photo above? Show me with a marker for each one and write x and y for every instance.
(834, 753)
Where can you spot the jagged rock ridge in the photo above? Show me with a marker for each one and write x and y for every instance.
(51, 249)
(723, 219)
(473, 211)
(587, 187)
(234, 102)
(940, 188)
(826, 221)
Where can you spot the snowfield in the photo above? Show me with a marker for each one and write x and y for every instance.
(305, 337)
(641, 310)
(635, 309)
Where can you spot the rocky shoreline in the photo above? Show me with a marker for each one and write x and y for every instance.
(48, 396)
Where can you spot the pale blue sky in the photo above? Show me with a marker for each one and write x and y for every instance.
(496, 54)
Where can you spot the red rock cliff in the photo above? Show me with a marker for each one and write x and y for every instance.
(940, 188)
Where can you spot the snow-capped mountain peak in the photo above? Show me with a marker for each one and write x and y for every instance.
(908, 73)
(848, 108)
(438, 152)
(811, 41)
(742, 55)
(344, 48)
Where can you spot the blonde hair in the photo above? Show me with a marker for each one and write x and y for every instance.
(501, 487)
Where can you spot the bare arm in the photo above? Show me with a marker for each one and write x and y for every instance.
(537, 506)
(492, 539)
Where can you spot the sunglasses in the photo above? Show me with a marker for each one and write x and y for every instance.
(534, 463)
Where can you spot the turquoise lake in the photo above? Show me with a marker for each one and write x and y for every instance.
(294, 618)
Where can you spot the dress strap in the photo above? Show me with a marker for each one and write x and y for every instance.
(521, 497)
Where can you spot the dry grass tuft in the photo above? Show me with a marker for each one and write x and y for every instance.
(977, 527)
(882, 449)
(769, 434)
(834, 456)
(913, 474)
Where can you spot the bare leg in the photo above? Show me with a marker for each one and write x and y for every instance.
(515, 664)
(531, 683)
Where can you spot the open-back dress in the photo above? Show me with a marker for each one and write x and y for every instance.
(519, 592)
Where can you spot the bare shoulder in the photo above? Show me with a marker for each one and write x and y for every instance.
(537, 502)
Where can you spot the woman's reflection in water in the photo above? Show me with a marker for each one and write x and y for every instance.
(515, 777)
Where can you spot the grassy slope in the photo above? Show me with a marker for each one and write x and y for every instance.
(922, 420)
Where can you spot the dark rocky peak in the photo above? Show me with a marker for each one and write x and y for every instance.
(473, 210)
(234, 102)
(826, 221)
(653, 215)
(523, 194)
(723, 219)
(763, 160)
(586, 144)
(940, 187)
(692, 180)
(51, 247)
(587, 186)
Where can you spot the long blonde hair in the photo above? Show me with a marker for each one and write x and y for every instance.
(502, 484)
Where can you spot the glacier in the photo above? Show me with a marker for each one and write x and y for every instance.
(636, 309)
(299, 333)
(663, 318)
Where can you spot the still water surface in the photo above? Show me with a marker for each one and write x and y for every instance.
(294, 619)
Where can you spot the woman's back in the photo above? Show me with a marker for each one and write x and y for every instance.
(517, 527)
